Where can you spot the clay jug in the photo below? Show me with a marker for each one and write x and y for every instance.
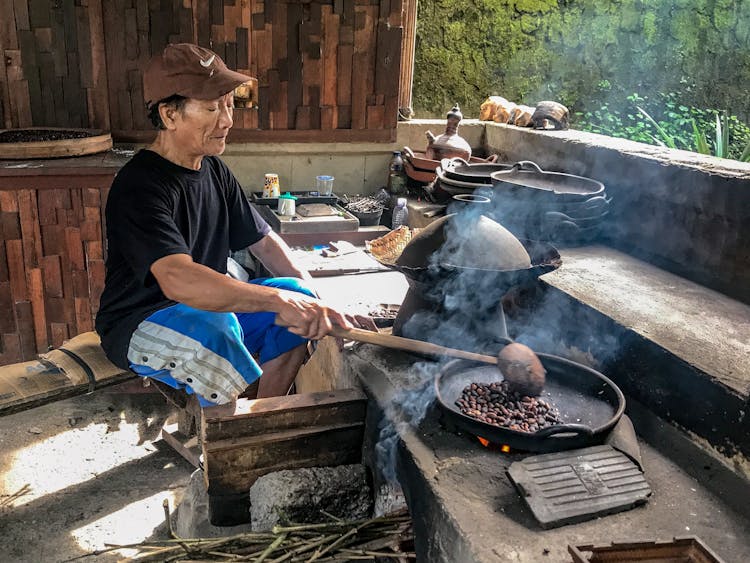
(450, 144)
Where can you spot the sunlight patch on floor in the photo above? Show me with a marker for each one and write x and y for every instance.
(69, 458)
(131, 524)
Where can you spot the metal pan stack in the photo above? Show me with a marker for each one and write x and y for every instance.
(421, 170)
(455, 176)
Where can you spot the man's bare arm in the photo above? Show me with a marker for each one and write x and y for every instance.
(274, 253)
(198, 286)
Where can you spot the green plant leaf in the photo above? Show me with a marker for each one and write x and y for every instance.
(666, 139)
(719, 147)
(745, 156)
(701, 145)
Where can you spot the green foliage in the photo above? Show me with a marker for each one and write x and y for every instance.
(721, 145)
(701, 145)
(591, 56)
(662, 138)
(666, 121)
(745, 156)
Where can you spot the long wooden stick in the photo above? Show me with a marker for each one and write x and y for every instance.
(409, 345)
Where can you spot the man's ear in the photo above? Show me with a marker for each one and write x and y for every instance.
(167, 113)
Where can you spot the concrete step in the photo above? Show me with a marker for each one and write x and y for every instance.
(681, 349)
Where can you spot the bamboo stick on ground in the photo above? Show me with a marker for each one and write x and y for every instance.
(340, 540)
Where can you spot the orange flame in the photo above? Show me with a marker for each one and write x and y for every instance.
(505, 448)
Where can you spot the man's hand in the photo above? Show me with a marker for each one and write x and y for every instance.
(308, 317)
(358, 321)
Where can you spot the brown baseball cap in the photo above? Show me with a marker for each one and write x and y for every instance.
(189, 70)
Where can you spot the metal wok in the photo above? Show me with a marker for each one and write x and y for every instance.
(416, 259)
(589, 403)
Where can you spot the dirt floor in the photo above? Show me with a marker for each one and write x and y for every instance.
(79, 474)
(82, 473)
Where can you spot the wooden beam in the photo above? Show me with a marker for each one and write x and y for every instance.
(266, 435)
(234, 465)
(283, 136)
(261, 416)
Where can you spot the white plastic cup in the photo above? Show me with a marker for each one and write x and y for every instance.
(271, 186)
(287, 205)
(324, 184)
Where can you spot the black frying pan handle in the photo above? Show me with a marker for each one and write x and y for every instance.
(563, 429)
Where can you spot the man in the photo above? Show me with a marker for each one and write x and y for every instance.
(174, 213)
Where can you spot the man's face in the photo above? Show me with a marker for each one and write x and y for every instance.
(201, 127)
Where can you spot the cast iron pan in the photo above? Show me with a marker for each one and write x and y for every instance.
(454, 187)
(527, 177)
(595, 205)
(590, 404)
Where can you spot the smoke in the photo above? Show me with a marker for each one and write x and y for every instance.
(462, 292)
(553, 326)
(405, 411)
(467, 309)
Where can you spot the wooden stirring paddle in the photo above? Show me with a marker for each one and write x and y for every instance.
(519, 365)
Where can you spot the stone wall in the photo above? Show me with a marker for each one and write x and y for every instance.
(581, 50)
(359, 168)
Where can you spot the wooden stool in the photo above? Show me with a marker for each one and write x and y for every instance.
(184, 437)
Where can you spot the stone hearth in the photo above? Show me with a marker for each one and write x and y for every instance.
(465, 509)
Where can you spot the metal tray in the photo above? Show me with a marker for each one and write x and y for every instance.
(342, 221)
(302, 198)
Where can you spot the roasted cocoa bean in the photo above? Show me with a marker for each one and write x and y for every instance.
(494, 404)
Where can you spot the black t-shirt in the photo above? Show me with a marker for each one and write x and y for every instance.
(157, 208)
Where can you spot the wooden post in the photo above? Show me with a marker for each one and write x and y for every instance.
(406, 78)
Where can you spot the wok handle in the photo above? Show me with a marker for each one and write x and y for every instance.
(434, 212)
(563, 429)
(523, 163)
(407, 344)
(596, 201)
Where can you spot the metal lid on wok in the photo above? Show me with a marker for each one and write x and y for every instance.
(415, 259)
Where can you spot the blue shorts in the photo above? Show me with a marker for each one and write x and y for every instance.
(208, 353)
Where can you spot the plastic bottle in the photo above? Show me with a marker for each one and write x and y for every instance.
(396, 175)
(400, 214)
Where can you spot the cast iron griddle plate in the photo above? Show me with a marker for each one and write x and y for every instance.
(577, 485)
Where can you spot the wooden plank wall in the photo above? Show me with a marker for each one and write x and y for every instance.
(322, 65)
(51, 267)
(54, 72)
